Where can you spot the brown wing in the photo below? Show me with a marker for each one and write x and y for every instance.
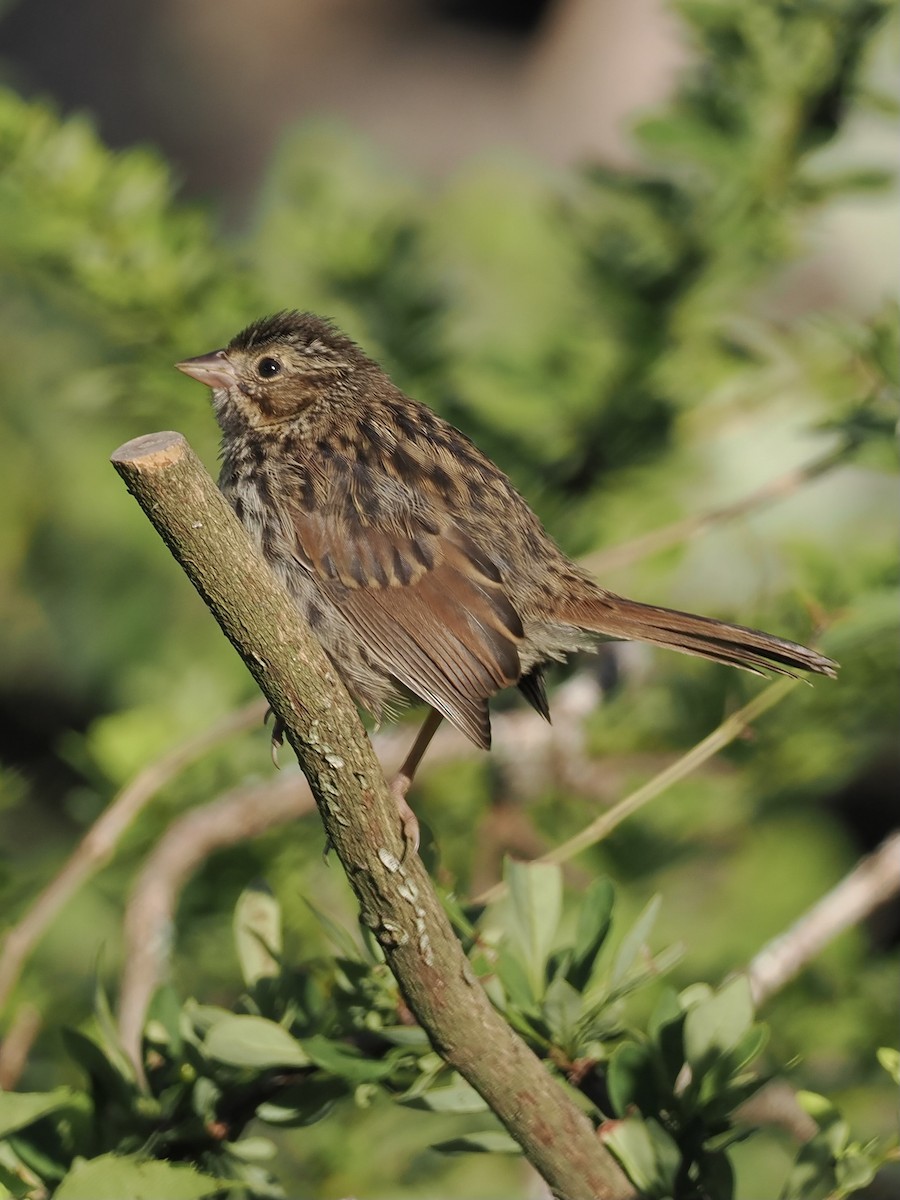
(429, 604)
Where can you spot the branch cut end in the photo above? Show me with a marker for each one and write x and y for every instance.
(152, 451)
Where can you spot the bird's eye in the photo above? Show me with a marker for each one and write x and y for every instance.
(267, 368)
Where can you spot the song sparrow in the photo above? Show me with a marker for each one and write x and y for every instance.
(410, 554)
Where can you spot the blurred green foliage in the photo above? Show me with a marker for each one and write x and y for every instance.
(620, 341)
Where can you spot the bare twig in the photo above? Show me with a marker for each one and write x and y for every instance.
(690, 527)
(730, 728)
(776, 1104)
(395, 893)
(243, 813)
(98, 844)
(871, 883)
(17, 1043)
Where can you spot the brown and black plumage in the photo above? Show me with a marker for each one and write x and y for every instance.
(409, 552)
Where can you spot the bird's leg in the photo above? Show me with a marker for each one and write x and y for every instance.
(402, 781)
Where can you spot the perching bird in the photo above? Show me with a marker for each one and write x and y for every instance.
(416, 563)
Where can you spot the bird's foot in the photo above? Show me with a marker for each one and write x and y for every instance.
(277, 736)
(409, 822)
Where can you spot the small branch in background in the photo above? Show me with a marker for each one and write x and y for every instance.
(101, 840)
(780, 488)
(395, 893)
(16, 1045)
(731, 728)
(776, 1105)
(243, 813)
(871, 883)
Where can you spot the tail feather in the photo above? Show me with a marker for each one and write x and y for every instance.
(705, 637)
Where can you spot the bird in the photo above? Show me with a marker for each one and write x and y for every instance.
(416, 563)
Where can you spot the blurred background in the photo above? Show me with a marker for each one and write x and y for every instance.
(645, 254)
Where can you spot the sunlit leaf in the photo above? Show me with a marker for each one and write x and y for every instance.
(127, 1177)
(247, 1041)
(491, 1141)
(257, 933)
(716, 1025)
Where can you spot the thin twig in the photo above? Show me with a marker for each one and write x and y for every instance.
(396, 896)
(100, 841)
(243, 813)
(730, 728)
(690, 527)
(776, 1104)
(17, 1043)
(871, 883)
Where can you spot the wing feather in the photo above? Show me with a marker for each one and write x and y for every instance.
(429, 604)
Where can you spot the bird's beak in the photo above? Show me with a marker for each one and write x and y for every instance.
(212, 369)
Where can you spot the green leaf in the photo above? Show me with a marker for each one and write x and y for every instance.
(535, 898)
(491, 1141)
(646, 1153)
(890, 1060)
(344, 1061)
(594, 919)
(246, 1041)
(127, 1177)
(18, 1109)
(107, 1082)
(340, 938)
(205, 1097)
(14, 1183)
(633, 942)
(561, 1010)
(111, 1044)
(252, 1149)
(820, 1108)
(412, 1036)
(202, 1017)
(514, 978)
(165, 1013)
(458, 1098)
(631, 1079)
(717, 1024)
(257, 934)
(302, 1103)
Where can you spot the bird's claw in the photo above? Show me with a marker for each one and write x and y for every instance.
(409, 822)
(277, 736)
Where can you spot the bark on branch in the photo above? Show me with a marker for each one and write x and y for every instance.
(396, 896)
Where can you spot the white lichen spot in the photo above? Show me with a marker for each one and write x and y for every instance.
(425, 948)
(396, 934)
(390, 861)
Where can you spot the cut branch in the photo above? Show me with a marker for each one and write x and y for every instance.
(396, 896)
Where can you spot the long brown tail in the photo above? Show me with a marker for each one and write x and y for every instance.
(751, 649)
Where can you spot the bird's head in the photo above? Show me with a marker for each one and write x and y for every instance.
(276, 368)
